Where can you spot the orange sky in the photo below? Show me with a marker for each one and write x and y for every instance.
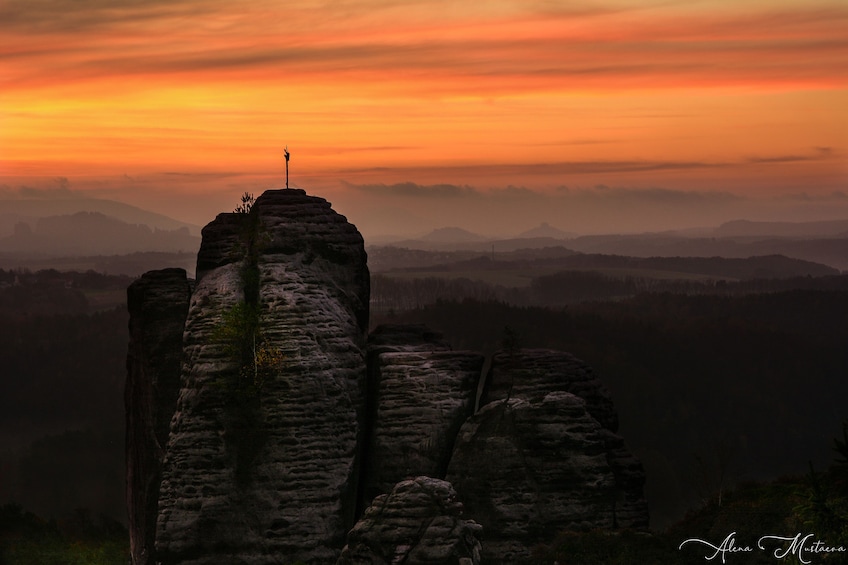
(156, 101)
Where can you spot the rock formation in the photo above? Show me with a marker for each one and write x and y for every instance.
(158, 304)
(419, 522)
(541, 456)
(529, 470)
(285, 424)
(533, 373)
(420, 394)
(261, 464)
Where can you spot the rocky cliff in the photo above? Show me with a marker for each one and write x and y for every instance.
(533, 373)
(541, 456)
(158, 305)
(261, 464)
(420, 394)
(285, 424)
(419, 522)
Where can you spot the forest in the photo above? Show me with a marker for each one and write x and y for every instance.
(710, 390)
(61, 404)
(719, 384)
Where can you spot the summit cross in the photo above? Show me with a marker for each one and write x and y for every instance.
(288, 155)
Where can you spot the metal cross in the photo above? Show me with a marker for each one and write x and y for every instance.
(287, 164)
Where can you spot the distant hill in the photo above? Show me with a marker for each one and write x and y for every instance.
(93, 233)
(746, 228)
(452, 235)
(828, 251)
(131, 264)
(390, 258)
(484, 246)
(546, 230)
(29, 210)
(821, 242)
(761, 267)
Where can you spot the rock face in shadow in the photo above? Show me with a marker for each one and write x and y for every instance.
(261, 423)
(419, 522)
(529, 470)
(262, 462)
(541, 456)
(533, 373)
(421, 392)
(158, 305)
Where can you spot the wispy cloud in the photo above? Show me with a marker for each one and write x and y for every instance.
(441, 92)
(780, 159)
(87, 16)
(411, 189)
(511, 50)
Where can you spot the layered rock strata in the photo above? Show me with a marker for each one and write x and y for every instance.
(420, 394)
(529, 469)
(533, 373)
(280, 436)
(158, 305)
(262, 464)
(419, 522)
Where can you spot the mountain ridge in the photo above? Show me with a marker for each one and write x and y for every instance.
(30, 209)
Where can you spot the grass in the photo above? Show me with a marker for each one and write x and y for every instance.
(56, 550)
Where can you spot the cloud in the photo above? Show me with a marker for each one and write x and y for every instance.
(58, 188)
(780, 159)
(601, 192)
(203, 175)
(67, 16)
(413, 190)
(562, 168)
(576, 169)
(447, 50)
(819, 153)
(653, 196)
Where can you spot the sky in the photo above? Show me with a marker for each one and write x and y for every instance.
(594, 116)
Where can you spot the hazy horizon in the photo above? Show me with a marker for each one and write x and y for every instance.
(409, 210)
(411, 116)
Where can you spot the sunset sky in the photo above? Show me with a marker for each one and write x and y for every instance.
(420, 114)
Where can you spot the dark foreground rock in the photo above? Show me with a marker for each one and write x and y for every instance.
(264, 469)
(533, 373)
(158, 305)
(528, 469)
(261, 424)
(419, 522)
(421, 392)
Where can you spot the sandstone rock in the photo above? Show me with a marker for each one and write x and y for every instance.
(421, 392)
(270, 477)
(527, 469)
(631, 510)
(533, 373)
(158, 305)
(221, 243)
(268, 465)
(418, 523)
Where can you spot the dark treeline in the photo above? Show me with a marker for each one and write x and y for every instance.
(50, 292)
(61, 393)
(711, 389)
(396, 294)
(390, 293)
(762, 266)
(93, 232)
(714, 382)
(129, 265)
